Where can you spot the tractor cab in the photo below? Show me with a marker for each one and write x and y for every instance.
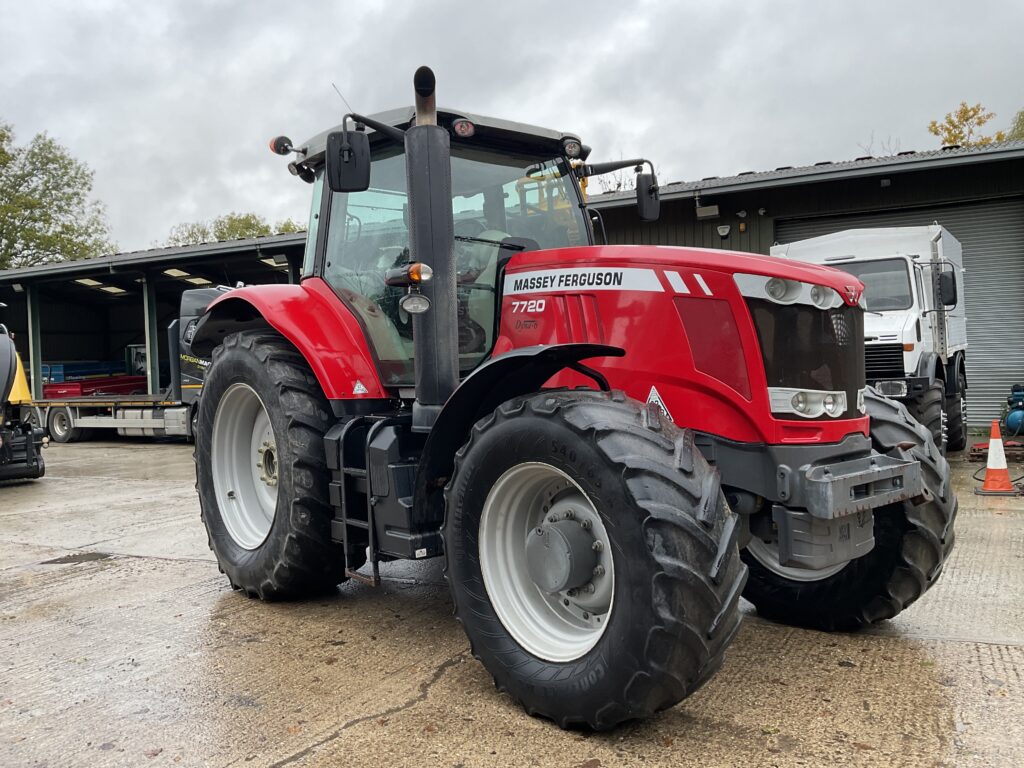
(514, 188)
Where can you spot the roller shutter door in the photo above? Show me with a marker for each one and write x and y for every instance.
(992, 235)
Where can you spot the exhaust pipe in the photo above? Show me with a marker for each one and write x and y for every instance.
(432, 241)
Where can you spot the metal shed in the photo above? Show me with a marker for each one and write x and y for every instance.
(976, 193)
(93, 309)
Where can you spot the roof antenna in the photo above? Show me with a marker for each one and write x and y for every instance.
(342, 97)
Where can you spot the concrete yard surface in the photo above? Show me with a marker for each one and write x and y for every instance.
(122, 645)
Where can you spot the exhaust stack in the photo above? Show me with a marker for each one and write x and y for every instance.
(432, 241)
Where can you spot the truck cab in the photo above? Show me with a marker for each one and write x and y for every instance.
(915, 324)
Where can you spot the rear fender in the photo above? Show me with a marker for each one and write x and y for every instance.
(313, 319)
(518, 372)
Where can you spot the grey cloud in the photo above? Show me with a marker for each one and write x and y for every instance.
(172, 104)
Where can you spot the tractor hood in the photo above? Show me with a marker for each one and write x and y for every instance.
(847, 286)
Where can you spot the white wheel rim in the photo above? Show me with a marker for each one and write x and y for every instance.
(60, 423)
(244, 462)
(557, 628)
(767, 554)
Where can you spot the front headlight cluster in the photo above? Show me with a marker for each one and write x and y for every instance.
(783, 291)
(810, 403)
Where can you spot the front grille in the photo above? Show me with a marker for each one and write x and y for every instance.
(884, 361)
(804, 347)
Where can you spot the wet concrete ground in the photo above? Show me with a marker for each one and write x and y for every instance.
(121, 644)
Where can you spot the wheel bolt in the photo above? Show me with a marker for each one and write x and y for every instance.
(586, 524)
(565, 602)
(599, 571)
(597, 546)
(552, 519)
(586, 615)
(573, 592)
(570, 515)
(540, 531)
(590, 589)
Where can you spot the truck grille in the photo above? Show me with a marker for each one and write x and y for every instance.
(883, 361)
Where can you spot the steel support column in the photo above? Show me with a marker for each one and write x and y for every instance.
(35, 346)
(152, 335)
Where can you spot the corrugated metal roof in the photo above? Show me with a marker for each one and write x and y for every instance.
(826, 171)
(152, 257)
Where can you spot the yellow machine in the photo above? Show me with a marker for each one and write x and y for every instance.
(21, 442)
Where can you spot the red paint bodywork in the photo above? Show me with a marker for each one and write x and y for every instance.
(313, 318)
(660, 350)
(721, 390)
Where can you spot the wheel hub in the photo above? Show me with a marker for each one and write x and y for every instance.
(267, 464)
(560, 556)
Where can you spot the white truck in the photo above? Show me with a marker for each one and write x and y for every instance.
(915, 325)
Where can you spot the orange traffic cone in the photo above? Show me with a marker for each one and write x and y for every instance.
(997, 477)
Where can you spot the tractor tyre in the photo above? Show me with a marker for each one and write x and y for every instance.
(956, 416)
(627, 597)
(929, 408)
(912, 542)
(58, 424)
(261, 469)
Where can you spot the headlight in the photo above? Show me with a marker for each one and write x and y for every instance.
(824, 298)
(807, 403)
(776, 289)
(783, 291)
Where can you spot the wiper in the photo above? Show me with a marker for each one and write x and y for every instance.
(499, 243)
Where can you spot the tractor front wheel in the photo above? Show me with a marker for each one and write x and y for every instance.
(261, 469)
(912, 542)
(591, 557)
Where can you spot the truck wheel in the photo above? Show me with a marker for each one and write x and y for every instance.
(912, 543)
(591, 557)
(956, 416)
(929, 408)
(261, 470)
(58, 424)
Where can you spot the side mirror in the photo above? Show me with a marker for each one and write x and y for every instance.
(947, 289)
(347, 161)
(648, 204)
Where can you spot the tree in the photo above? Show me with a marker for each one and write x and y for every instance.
(231, 226)
(46, 210)
(963, 127)
(1016, 131)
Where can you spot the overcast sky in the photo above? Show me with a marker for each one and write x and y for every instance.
(172, 103)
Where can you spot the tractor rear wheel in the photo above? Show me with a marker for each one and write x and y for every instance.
(956, 416)
(261, 470)
(912, 543)
(929, 408)
(591, 557)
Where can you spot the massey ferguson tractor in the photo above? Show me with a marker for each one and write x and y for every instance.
(608, 445)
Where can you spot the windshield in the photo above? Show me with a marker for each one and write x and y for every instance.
(495, 196)
(886, 283)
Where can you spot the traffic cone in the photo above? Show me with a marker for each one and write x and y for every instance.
(997, 477)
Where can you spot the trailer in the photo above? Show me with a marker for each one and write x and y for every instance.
(111, 404)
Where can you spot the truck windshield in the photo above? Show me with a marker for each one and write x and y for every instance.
(886, 283)
(495, 195)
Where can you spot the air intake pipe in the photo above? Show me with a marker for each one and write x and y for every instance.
(432, 241)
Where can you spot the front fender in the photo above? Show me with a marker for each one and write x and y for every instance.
(313, 319)
(518, 372)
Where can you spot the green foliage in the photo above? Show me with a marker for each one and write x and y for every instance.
(231, 226)
(46, 213)
(963, 126)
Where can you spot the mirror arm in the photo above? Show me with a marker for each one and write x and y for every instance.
(597, 169)
(396, 134)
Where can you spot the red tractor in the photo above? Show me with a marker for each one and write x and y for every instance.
(607, 444)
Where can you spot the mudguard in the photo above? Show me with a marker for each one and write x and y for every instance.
(8, 367)
(312, 318)
(517, 372)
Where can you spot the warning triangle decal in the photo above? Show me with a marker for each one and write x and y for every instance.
(655, 399)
